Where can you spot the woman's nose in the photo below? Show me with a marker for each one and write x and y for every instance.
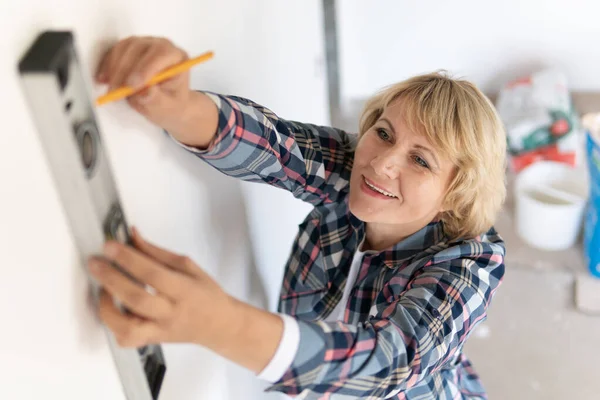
(388, 165)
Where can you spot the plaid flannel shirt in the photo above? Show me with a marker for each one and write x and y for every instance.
(412, 306)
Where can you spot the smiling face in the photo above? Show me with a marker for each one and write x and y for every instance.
(399, 179)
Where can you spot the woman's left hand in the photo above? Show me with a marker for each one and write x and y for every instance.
(184, 303)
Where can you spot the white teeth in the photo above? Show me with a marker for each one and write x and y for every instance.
(379, 190)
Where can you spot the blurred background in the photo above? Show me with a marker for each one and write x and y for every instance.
(313, 61)
(535, 60)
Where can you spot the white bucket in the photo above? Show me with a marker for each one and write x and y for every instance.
(550, 202)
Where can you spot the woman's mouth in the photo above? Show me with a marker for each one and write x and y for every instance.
(375, 191)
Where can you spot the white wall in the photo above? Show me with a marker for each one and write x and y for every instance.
(384, 41)
(52, 346)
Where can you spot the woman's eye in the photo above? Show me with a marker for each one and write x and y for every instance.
(421, 162)
(383, 134)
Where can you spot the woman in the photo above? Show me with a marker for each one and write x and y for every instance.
(389, 274)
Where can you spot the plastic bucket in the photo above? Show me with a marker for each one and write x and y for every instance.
(550, 200)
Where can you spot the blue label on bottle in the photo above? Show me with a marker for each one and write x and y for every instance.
(591, 223)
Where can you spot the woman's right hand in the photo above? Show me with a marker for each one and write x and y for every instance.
(189, 116)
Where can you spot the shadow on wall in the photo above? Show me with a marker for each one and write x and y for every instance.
(234, 267)
(234, 263)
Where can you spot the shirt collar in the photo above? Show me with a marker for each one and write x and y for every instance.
(427, 239)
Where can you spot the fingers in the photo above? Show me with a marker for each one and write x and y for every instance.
(162, 55)
(101, 74)
(110, 60)
(135, 60)
(151, 103)
(175, 261)
(145, 269)
(132, 295)
(129, 330)
(127, 62)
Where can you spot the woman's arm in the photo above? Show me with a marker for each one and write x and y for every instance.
(412, 336)
(253, 144)
(190, 116)
(186, 305)
(197, 123)
(238, 137)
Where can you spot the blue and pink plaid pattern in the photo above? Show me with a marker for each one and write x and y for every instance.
(412, 307)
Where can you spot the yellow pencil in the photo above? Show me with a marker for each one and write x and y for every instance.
(170, 72)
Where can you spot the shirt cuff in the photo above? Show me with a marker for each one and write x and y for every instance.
(225, 117)
(285, 353)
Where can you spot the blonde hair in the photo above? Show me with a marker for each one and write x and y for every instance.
(461, 122)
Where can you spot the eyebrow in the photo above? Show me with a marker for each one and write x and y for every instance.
(427, 149)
